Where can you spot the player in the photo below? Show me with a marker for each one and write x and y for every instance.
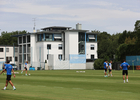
(25, 68)
(8, 68)
(105, 68)
(125, 67)
(110, 68)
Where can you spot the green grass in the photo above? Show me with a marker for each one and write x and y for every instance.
(69, 85)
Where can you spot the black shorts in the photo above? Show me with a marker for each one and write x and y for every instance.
(125, 72)
(109, 70)
(25, 68)
(8, 77)
(105, 70)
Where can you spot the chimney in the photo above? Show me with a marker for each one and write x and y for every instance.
(79, 26)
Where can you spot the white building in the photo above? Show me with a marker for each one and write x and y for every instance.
(58, 44)
(8, 52)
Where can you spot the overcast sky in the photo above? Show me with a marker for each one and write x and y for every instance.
(112, 16)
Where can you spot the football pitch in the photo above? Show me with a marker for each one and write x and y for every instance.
(71, 85)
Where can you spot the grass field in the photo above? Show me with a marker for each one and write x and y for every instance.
(69, 85)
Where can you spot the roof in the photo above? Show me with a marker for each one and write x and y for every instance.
(54, 27)
(20, 35)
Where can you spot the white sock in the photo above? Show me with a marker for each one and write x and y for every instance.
(13, 86)
(124, 81)
(5, 87)
(127, 80)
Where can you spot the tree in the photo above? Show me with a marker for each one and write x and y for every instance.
(137, 25)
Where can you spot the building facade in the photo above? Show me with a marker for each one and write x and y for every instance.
(75, 45)
(8, 52)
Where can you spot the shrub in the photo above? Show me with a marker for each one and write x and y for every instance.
(98, 64)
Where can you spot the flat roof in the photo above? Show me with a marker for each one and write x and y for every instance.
(55, 27)
(20, 35)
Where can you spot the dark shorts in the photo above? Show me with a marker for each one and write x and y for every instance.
(109, 70)
(125, 72)
(8, 77)
(25, 68)
(105, 70)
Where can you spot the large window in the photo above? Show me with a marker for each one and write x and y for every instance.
(59, 46)
(20, 49)
(24, 39)
(16, 49)
(1, 49)
(92, 47)
(81, 44)
(57, 37)
(9, 58)
(20, 40)
(48, 37)
(91, 38)
(20, 58)
(48, 46)
(28, 38)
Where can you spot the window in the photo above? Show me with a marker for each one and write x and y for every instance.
(7, 49)
(92, 56)
(60, 56)
(16, 49)
(48, 46)
(1, 49)
(48, 37)
(47, 56)
(16, 58)
(1, 58)
(57, 37)
(92, 47)
(9, 58)
(20, 40)
(28, 38)
(59, 46)
(91, 38)
(24, 39)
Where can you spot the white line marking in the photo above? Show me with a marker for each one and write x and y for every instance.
(99, 90)
(77, 88)
(58, 87)
(124, 92)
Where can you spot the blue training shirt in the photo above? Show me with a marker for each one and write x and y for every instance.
(124, 65)
(105, 65)
(5, 64)
(8, 68)
(25, 64)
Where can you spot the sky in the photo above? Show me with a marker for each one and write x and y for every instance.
(111, 16)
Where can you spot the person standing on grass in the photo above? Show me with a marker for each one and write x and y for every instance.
(125, 67)
(110, 68)
(25, 68)
(8, 68)
(105, 68)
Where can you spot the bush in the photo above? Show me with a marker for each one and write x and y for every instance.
(98, 64)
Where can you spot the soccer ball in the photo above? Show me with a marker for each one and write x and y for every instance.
(29, 74)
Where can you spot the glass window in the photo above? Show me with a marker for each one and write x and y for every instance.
(91, 38)
(1, 49)
(59, 46)
(48, 37)
(92, 47)
(92, 56)
(20, 58)
(20, 49)
(20, 40)
(28, 38)
(60, 56)
(48, 46)
(24, 39)
(47, 56)
(1, 58)
(16, 49)
(57, 37)
(7, 49)
(16, 58)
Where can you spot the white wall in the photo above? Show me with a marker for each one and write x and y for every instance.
(66, 45)
(73, 43)
(90, 52)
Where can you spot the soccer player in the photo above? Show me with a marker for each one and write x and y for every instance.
(8, 68)
(125, 67)
(25, 68)
(105, 68)
(110, 68)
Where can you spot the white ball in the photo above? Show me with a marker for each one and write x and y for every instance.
(29, 73)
